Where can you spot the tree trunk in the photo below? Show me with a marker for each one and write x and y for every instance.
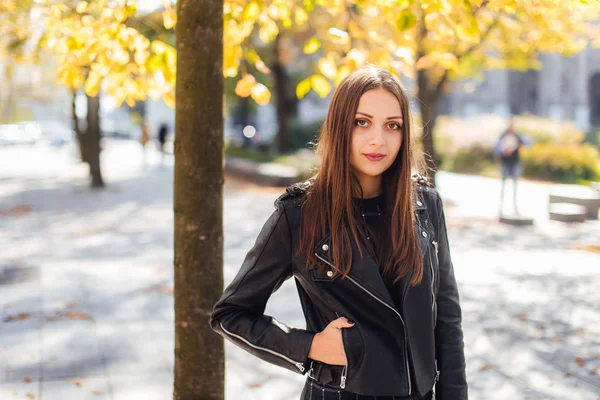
(244, 118)
(429, 99)
(76, 128)
(198, 199)
(283, 105)
(91, 141)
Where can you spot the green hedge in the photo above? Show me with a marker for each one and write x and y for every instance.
(471, 160)
(580, 163)
(301, 135)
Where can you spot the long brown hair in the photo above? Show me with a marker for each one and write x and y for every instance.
(329, 205)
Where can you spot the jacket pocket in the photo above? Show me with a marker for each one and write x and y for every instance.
(354, 350)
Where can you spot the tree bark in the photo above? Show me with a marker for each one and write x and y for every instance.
(284, 104)
(198, 199)
(76, 128)
(429, 103)
(91, 141)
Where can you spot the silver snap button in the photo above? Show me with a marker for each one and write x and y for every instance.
(330, 273)
(325, 247)
(419, 203)
(306, 183)
(424, 234)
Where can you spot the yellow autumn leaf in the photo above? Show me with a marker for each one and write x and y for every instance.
(320, 85)
(447, 60)
(342, 74)
(424, 62)
(251, 11)
(92, 84)
(261, 94)
(406, 19)
(303, 88)
(468, 30)
(87, 20)
(169, 18)
(328, 67)
(158, 47)
(169, 99)
(81, 7)
(244, 86)
(312, 46)
(357, 57)
(121, 14)
(300, 16)
(268, 31)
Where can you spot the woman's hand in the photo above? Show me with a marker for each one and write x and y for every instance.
(327, 345)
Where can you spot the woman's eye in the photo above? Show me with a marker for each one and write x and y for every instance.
(361, 122)
(394, 125)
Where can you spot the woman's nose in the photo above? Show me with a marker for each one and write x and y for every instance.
(376, 136)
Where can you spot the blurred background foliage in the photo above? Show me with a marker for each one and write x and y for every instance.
(282, 52)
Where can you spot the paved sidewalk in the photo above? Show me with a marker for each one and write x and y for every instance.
(86, 305)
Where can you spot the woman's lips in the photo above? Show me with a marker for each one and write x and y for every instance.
(374, 156)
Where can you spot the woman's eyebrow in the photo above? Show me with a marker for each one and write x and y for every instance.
(370, 116)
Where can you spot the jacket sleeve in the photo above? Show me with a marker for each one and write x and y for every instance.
(452, 384)
(239, 315)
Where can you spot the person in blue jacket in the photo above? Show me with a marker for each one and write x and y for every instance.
(507, 150)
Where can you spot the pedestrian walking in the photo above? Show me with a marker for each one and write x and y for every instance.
(507, 150)
(163, 131)
(144, 139)
(365, 240)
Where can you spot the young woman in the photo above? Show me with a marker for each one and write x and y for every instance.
(366, 243)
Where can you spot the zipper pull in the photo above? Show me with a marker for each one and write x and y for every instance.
(300, 366)
(343, 380)
(436, 246)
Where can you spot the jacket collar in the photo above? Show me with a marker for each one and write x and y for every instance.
(364, 270)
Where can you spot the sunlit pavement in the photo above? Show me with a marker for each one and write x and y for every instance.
(86, 308)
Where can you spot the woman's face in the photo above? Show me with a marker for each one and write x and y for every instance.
(377, 134)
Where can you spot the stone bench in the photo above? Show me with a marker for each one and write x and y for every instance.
(516, 220)
(567, 212)
(578, 195)
(269, 174)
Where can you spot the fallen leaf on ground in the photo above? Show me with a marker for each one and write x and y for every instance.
(78, 315)
(18, 210)
(521, 317)
(592, 248)
(97, 392)
(484, 367)
(18, 317)
(254, 385)
(594, 372)
(27, 380)
(31, 395)
(567, 375)
(580, 361)
(74, 315)
(161, 289)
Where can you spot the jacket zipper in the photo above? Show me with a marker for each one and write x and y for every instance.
(299, 365)
(345, 369)
(435, 244)
(391, 308)
(435, 380)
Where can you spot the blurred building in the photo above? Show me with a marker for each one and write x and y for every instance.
(564, 89)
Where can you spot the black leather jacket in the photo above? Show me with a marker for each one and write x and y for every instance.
(378, 347)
